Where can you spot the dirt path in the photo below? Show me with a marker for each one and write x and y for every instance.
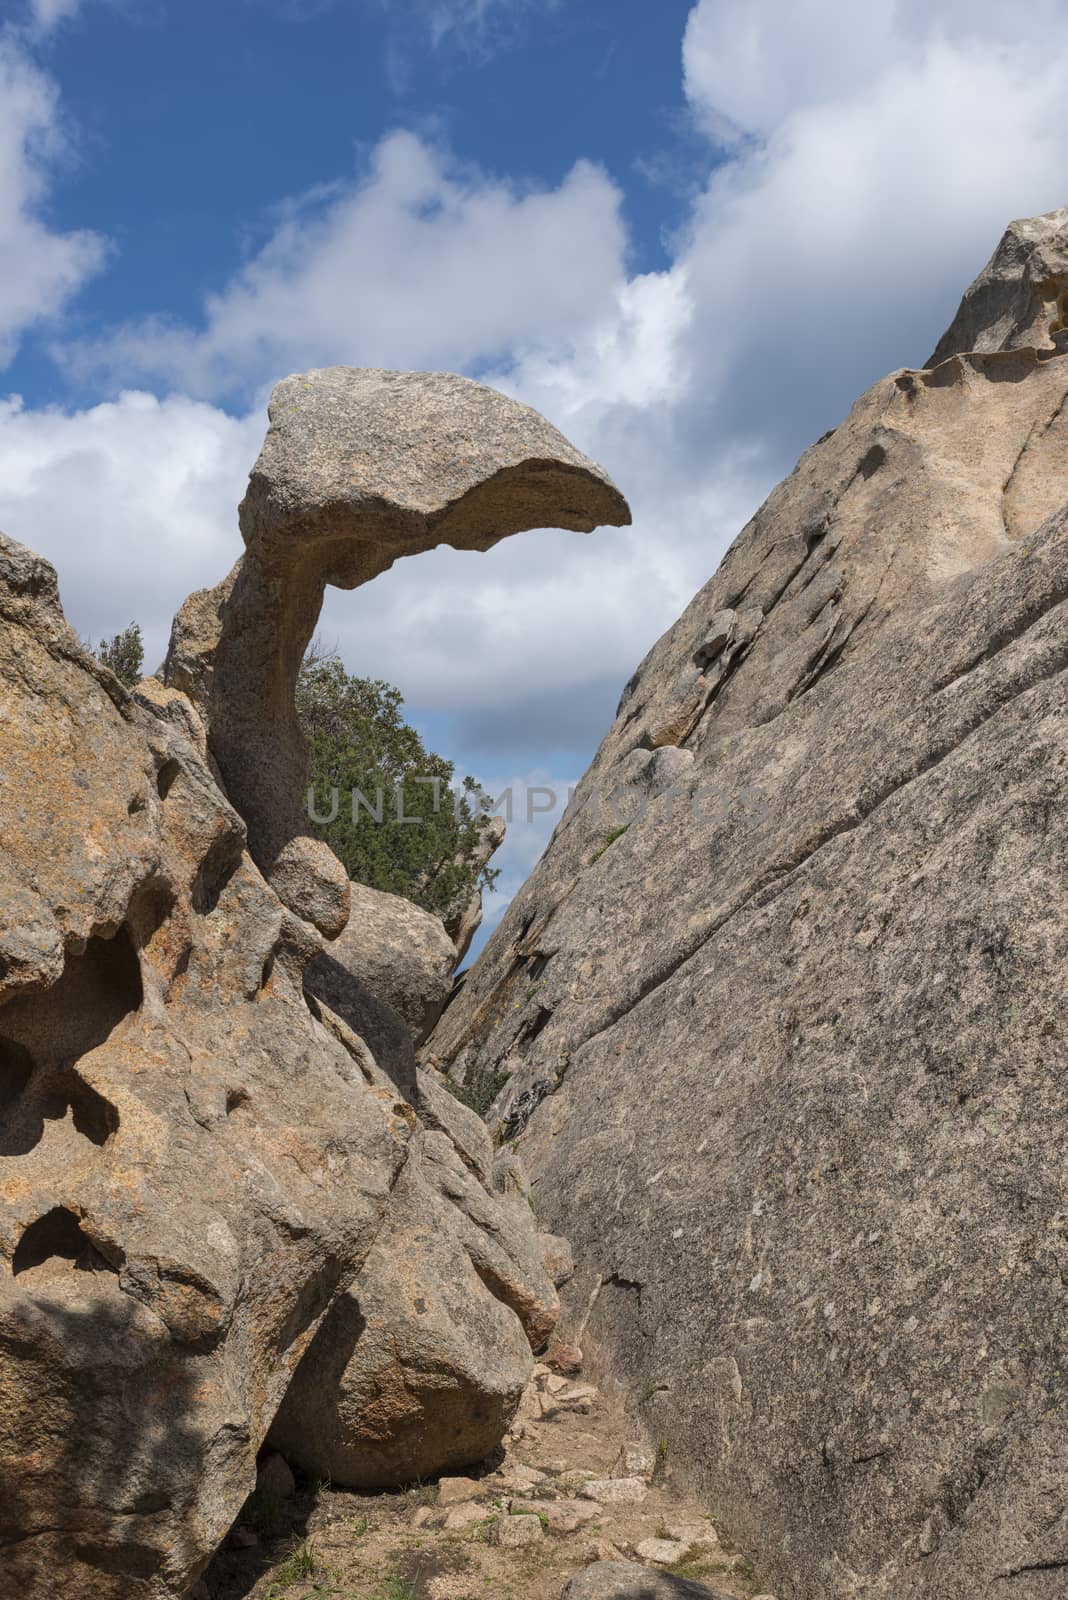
(567, 1488)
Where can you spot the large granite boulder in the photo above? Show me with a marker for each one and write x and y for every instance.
(199, 1161)
(417, 1370)
(787, 1056)
(402, 954)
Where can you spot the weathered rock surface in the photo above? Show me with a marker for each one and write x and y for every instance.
(1020, 299)
(200, 1164)
(419, 1369)
(398, 951)
(793, 1080)
(359, 467)
(627, 1580)
(190, 1167)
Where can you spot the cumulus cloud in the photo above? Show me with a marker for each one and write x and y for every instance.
(862, 164)
(421, 263)
(747, 68)
(40, 269)
(134, 502)
(837, 247)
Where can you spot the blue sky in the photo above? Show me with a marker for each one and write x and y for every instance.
(689, 231)
(196, 121)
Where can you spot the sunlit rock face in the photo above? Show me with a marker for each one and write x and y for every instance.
(359, 467)
(781, 1009)
(200, 1163)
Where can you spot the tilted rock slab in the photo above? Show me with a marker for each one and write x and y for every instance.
(198, 1161)
(359, 467)
(788, 1054)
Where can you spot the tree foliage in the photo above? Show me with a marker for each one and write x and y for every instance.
(426, 846)
(124, 654)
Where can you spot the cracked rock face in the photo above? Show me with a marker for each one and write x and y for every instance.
(783, 1015)
(398, 951)
(201, 1166)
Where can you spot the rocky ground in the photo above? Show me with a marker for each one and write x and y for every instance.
(569, 1487)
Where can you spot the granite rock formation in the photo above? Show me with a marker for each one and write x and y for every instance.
(398, 951)
(627, 1580)
(359, 467)
(781, 1008)
(198, 1159)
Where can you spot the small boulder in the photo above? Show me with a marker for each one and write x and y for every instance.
(559, 1263)
(275, 1484)
(600, 1550)
(520, 1479)
(515, 1532)
(662, 1552)
(579, 1398)
(563, 1358)
(635, 1460)
(464, 1517)
(694, 1533)
(615, 1491)
(400, 952)
(561, 1516)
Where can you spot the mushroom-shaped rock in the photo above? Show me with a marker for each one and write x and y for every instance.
(358, 467)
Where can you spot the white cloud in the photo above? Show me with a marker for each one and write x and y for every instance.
(750, 66)
(134, 502)
(837, 247)
(422, 263)
(40, 269)
(475, 23)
